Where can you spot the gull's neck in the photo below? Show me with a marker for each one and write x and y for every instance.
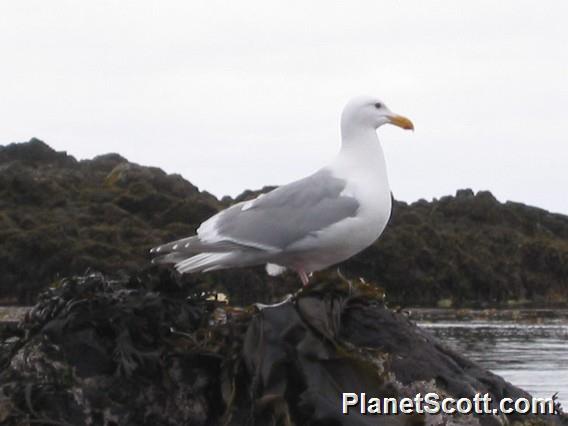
(360, 141)
(361, 154)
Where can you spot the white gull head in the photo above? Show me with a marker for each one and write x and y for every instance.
(365, 112)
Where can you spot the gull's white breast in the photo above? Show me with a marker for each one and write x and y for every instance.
(367, 182)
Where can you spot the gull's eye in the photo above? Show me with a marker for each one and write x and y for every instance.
(378, 105)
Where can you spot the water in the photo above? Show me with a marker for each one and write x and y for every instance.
(527, 348)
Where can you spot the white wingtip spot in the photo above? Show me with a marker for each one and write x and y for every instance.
(175, 247)
(187, 245)
(158, 249)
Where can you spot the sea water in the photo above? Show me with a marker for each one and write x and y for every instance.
(527, 348)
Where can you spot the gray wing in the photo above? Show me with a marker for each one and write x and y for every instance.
(285, 215)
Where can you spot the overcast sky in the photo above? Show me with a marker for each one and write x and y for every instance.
(241, 94)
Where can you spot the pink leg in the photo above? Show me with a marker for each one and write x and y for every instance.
(303, 277)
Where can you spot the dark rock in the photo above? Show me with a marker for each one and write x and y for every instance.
(105, 162)
(34, 152)
(464, 193)
(470, 249)
(150, 350)
(59, 217)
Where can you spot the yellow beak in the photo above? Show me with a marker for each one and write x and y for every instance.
(400, 121)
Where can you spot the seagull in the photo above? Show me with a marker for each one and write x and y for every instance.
(307, 225)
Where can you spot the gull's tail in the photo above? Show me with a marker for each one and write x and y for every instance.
(194, 255)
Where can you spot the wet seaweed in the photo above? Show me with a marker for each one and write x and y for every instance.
(148, 350)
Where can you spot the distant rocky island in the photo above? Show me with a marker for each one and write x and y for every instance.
(61, 217)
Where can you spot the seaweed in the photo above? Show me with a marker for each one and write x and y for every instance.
(150, 349)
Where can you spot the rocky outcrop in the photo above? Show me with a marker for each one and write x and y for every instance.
(151, 351)
(470, 249)
(60, 216)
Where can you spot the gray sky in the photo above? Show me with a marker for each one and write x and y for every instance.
(240, 94)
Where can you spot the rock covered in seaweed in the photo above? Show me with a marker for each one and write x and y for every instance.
(149, 350)
(60, 216)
